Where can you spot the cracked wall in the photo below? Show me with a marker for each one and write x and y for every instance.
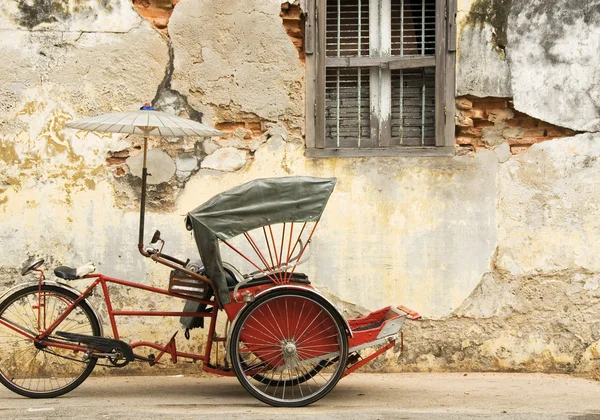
(495, 246)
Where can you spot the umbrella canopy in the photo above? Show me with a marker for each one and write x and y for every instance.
(144, 121)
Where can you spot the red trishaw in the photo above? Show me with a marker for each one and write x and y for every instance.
(286, 343)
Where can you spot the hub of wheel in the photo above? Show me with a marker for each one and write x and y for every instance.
(289, 349)
(290, 354)
(39, 345)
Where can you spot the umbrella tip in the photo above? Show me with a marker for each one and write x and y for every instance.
(147, 107)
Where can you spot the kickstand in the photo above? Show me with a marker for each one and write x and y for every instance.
(171, 348)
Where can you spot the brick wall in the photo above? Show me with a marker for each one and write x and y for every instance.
(488, 122)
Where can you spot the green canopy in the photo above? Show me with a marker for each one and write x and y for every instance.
(257, 203)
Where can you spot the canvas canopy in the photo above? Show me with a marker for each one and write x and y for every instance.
(257, 203)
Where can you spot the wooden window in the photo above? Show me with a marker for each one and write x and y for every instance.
(380, 77)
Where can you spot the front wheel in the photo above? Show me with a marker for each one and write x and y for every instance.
(289, 348)
(43, 371)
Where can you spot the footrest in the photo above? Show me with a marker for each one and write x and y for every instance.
(378, 327)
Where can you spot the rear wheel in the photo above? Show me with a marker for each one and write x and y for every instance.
(289, 348)
(43, 371)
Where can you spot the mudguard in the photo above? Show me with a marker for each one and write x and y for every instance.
(286, 287)
(21, 286)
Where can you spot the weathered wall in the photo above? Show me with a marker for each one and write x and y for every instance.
(496, 246)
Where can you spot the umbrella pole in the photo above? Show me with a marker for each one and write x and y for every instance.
(143, 200)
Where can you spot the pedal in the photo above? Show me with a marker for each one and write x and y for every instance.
(101, 344)
(353, 358)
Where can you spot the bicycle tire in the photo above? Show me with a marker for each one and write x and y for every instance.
(35, 371)
(285, 336)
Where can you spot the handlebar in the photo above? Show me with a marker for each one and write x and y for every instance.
(153, 251)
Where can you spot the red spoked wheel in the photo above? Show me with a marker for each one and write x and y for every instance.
(289, 348)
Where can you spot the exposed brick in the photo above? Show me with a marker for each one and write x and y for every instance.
(476, 114)
(298, 43)
(229, 126)
(497, 115)
(120, 153)
(483, 123)
(254, 126)
(495, 120)
(522, 122)
(471, 132)
(464, 104)
(465, 140)
(464, 150)
(464, 122)
(293, 22)
(527, 140)
(157, 12)
(515, 150)
(560, 132)
(535, 132)
(115, 161)
(491, 103)
(291, 11)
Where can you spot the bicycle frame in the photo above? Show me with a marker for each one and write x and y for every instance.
(103, 281)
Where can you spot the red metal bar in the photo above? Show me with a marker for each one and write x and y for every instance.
(147, 288)
(367, 359)
(413, 315)
(298, 239)
(164, 349)
(268, 246)
(287, 261)
(157, 313)
(217, 371)
(67, 311)
(17, 330)
(251, 262)
(62, 346)
(109, 309)
(288, 278)
(211, 334)
(274, 247)
(281, 253)
(257, 250)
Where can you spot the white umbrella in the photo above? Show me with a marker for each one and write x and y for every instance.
(148, 122)
(145, 121)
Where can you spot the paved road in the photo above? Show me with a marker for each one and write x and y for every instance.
(359, 396)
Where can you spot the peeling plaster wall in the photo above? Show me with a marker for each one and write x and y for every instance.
(497, 250)
(553, 56)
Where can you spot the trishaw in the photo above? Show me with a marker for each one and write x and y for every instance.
(286, 343)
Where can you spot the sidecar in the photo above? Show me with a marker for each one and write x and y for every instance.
(288, 345)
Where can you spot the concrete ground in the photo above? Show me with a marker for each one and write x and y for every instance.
(358, 396)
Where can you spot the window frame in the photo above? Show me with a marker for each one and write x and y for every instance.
(445, 69)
